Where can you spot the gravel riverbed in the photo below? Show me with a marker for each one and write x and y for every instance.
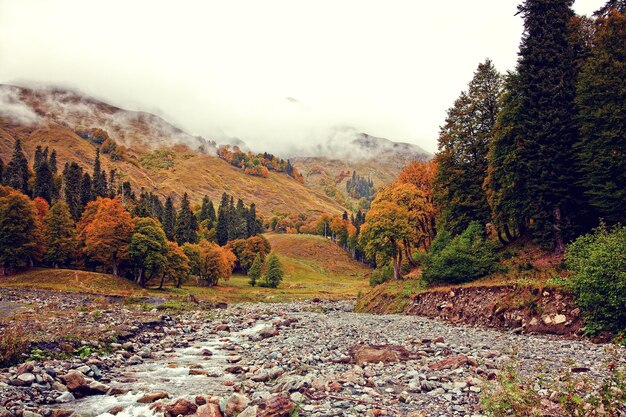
(262, 359)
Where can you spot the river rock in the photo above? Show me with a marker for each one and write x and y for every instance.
(209, 410)
(181, 407)
(152, 397)
(234, 404)
(74, 380)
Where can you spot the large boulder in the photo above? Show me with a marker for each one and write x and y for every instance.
(74, 380)
(181, 407)
(375, 353)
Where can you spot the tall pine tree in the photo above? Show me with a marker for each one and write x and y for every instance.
(169, 219)
(72, 179)
(223, 221)
(186, 224)
(16, 173)
(44, 182)
(98, 179)
(544, 116)
(601, 100)
(462, 157)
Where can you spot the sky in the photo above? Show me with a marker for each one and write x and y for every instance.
(274, 73)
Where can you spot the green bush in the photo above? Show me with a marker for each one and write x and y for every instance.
(381, 274)
(274, 274)
(466, 257)
(598, 261)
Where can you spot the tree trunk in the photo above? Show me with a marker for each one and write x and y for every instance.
(559, 245)
(397, 265)
(502, 239)
(507, 232)
(162, 279)
(115, 268)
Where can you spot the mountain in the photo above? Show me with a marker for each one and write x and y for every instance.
(154, 154)
(328, 166)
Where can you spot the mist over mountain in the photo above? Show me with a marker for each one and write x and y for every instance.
(70, 107)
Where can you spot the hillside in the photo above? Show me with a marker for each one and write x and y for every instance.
(164, 159)
(39, 119)
(314, 268)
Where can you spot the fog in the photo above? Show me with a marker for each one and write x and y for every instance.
(279, 75)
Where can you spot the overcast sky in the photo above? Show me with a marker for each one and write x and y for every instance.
(270, 72)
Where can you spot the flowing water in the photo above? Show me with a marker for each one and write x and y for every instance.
(170, 373)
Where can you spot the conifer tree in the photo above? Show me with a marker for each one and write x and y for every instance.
(98, 178)
(86, 190)
(274, 274)
(543, 122)
(38, 158)
(72, 180)
(205, 209)
(223, 220)
(253, 224)
(169, 219)
(112, 184)
(462, 157)
(507, 176)
(602, 116)
(186, 224)
(1, 172)
(44, 182)
(256, 270)
(60, 239)
(52, 162)
(16, 173)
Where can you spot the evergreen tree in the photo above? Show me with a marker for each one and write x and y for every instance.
(38, 158)
(602, 116)
(274, 274)
(52, 162)
(1, 172)
(186, 224)
(223, 220)
(112, 184)
(169, 219)
(222, 226)
(462, 157)
(16, 173)
(156, 207)
(239, 222)
(44, 182)
(253, 224)
(547, 70)
(72, 180)
(142, 209)
(86, 190)
(544, 117)
(98, 178)
(256, 269)
(205, 209)
(507, 176)
(60, 239)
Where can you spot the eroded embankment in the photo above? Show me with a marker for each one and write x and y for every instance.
(524, 309)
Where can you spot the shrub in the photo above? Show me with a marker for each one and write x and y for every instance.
(256, 269)
(466, 257)
(598, 261)
(381, 274)
(13, 342)
(274, 274)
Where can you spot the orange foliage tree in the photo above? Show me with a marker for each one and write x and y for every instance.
(105, 230)
(386, 228)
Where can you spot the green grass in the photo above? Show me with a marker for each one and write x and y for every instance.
(314, 268)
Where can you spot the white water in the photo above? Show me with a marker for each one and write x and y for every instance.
(168, 373)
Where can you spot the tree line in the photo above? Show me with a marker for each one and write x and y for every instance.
(88, 221)
(536, 155)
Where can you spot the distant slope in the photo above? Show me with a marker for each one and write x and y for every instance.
(327, 256)
(191, 171)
